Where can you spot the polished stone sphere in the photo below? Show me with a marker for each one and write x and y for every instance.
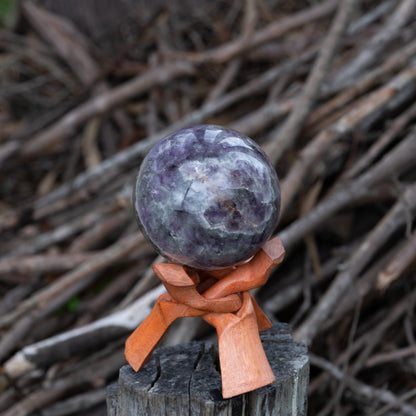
(207, 197)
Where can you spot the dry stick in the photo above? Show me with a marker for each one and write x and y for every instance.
(370, 79)
(70, 227)
(250, 19)
(152, 117)
(387, 357)
(398, 264)
(232, 68)
(403, 14)
(76, 404)
(24, 86)
(16, 279)
(277, 89)
(273, 31)
(97, 372)
(65, 39)
(398, 160)
(116, 193)
(371, 343)
(368, 340)
(7, 398)
(319, 144)
(147, 281)
(407, 325)
(259, 119)
(47, 183)
(361, 288)
(51, 138)
(334, 401)
(62, 287)
(43, 263)
(286, 295)
(35, 401)
(404, 397)
(14, 335)
(287, 135)
(95, 235)
(44, 59)
(362, 389)
(224, 82)
(119, 286)
(90, 151)
(89, 337)
(30, 128)
(8, 149)
(256, 121)
(25, 324)
(374, 14)
(308, 203)
(72, 46)
(249, 24)
(383, 142)
(380, 234)
(57, 235)
(16, 295)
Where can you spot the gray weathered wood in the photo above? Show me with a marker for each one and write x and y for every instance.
(185, 380)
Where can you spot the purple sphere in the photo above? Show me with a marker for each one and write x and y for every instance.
(207, 197)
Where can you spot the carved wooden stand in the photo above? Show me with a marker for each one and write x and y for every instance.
(222, 299)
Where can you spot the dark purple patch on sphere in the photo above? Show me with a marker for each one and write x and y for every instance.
(207, 197)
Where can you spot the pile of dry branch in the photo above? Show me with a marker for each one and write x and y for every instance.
(327, 88)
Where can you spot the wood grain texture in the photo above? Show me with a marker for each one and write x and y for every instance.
(185, 379)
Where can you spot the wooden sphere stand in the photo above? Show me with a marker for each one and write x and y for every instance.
(222, 299)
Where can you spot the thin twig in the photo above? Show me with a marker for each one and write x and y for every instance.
(364, 390)
(42, 263)
(318, 145)
(404, 12)
(50, 140)
(64, 284)
(346, 193)
(273, 31)
(398, 264)
(287, 135)
(395, 217)
(394, 355)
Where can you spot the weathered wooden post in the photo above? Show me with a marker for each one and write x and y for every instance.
(185, 380)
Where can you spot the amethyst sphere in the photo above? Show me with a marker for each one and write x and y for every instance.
(207, 197)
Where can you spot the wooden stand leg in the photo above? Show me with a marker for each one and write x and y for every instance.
(143, 340)
(244, 365)
(263, 322)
